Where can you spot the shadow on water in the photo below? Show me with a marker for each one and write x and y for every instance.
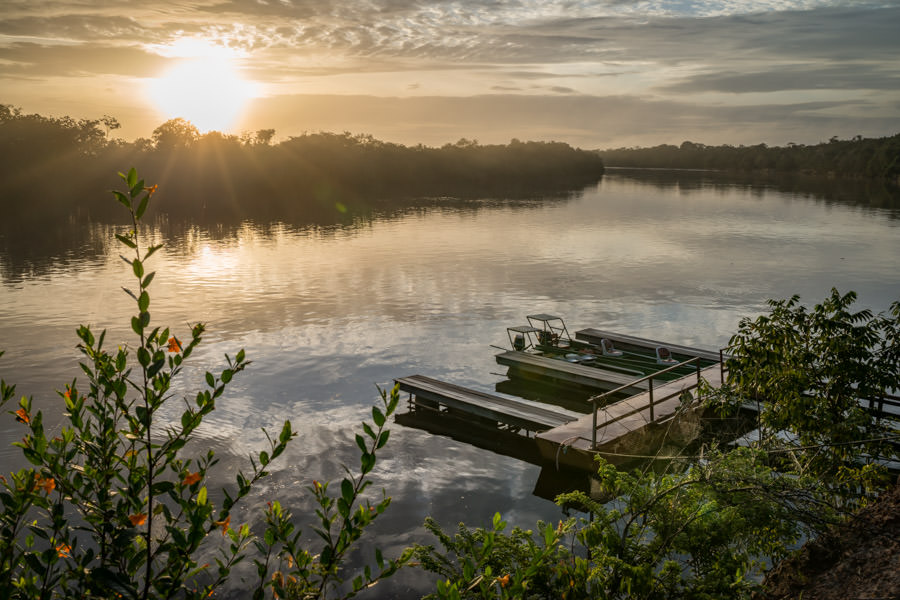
(35, 242)
(876, 195)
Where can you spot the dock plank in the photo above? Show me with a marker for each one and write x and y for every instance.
(620, 419)
(516, 412)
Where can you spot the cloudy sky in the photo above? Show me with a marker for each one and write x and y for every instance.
(596, 74)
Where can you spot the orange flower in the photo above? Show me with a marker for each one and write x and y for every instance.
(504, 581)
(47, 484)
(174, 344)
(152, 189)
(22, 416)
(191, 479)
(137, 519)
(64, 550)
(68, 394)
(223, 524)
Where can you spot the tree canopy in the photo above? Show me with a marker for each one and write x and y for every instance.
(858, 157)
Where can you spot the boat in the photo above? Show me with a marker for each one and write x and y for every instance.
(548, 336)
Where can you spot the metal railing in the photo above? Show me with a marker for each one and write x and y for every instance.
(595, 400)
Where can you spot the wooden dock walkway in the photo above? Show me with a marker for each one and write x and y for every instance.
(554, 368)
(431, 394)
(655, 406)
(621, 425)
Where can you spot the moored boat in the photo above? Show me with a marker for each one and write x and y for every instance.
(548, 336)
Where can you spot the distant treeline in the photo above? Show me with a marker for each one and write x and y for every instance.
(54, 164)
(877, 158)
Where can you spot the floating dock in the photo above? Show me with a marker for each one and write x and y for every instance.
(525, 363)
(628, 427)
(439, 396)
(654, 407)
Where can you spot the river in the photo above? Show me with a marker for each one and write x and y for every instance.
(327, 312)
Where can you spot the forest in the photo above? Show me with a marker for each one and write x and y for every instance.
(296, 176)
(875, 158)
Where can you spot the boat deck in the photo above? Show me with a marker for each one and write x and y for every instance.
(593, 336)
(591, 377)
(517, 413)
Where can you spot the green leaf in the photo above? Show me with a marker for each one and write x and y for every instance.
(210, 380)
(32, 456)
(126, 241)
(285, 433)
(377, 416)
(143, 356)
(161, 487)
(361, 442)
(132, 177)
(347, 491)
(367, 462)
(142, 206)
(201, 496)
(382, 439)
(146, 282)
(155, 367)
(136, 189)
(136, 325)
(138, 268)
(123, 199)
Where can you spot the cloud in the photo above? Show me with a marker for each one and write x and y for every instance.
(585, 121)
(36, 60)
(706, 64)
(849, 76)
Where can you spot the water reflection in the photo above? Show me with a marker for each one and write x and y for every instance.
(328, 309)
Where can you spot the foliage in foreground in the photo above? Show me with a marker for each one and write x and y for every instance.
(819, 375)
(112, 505)
(708, 531)
(712, 529)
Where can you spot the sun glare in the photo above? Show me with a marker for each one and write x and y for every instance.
(206, 89)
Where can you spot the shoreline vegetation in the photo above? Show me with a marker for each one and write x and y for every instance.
(214, 173)
(857, 158)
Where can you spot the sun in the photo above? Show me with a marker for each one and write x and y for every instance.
(205, 89)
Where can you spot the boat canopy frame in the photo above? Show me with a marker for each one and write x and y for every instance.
(523, 337)
(553, 329)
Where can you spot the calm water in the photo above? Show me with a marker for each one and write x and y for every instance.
(328, 313)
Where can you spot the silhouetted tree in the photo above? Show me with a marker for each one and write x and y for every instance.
(175, 134)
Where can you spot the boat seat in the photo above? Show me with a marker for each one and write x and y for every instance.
(664, 356)
(608, 349)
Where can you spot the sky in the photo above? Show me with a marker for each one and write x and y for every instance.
(594, 74)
